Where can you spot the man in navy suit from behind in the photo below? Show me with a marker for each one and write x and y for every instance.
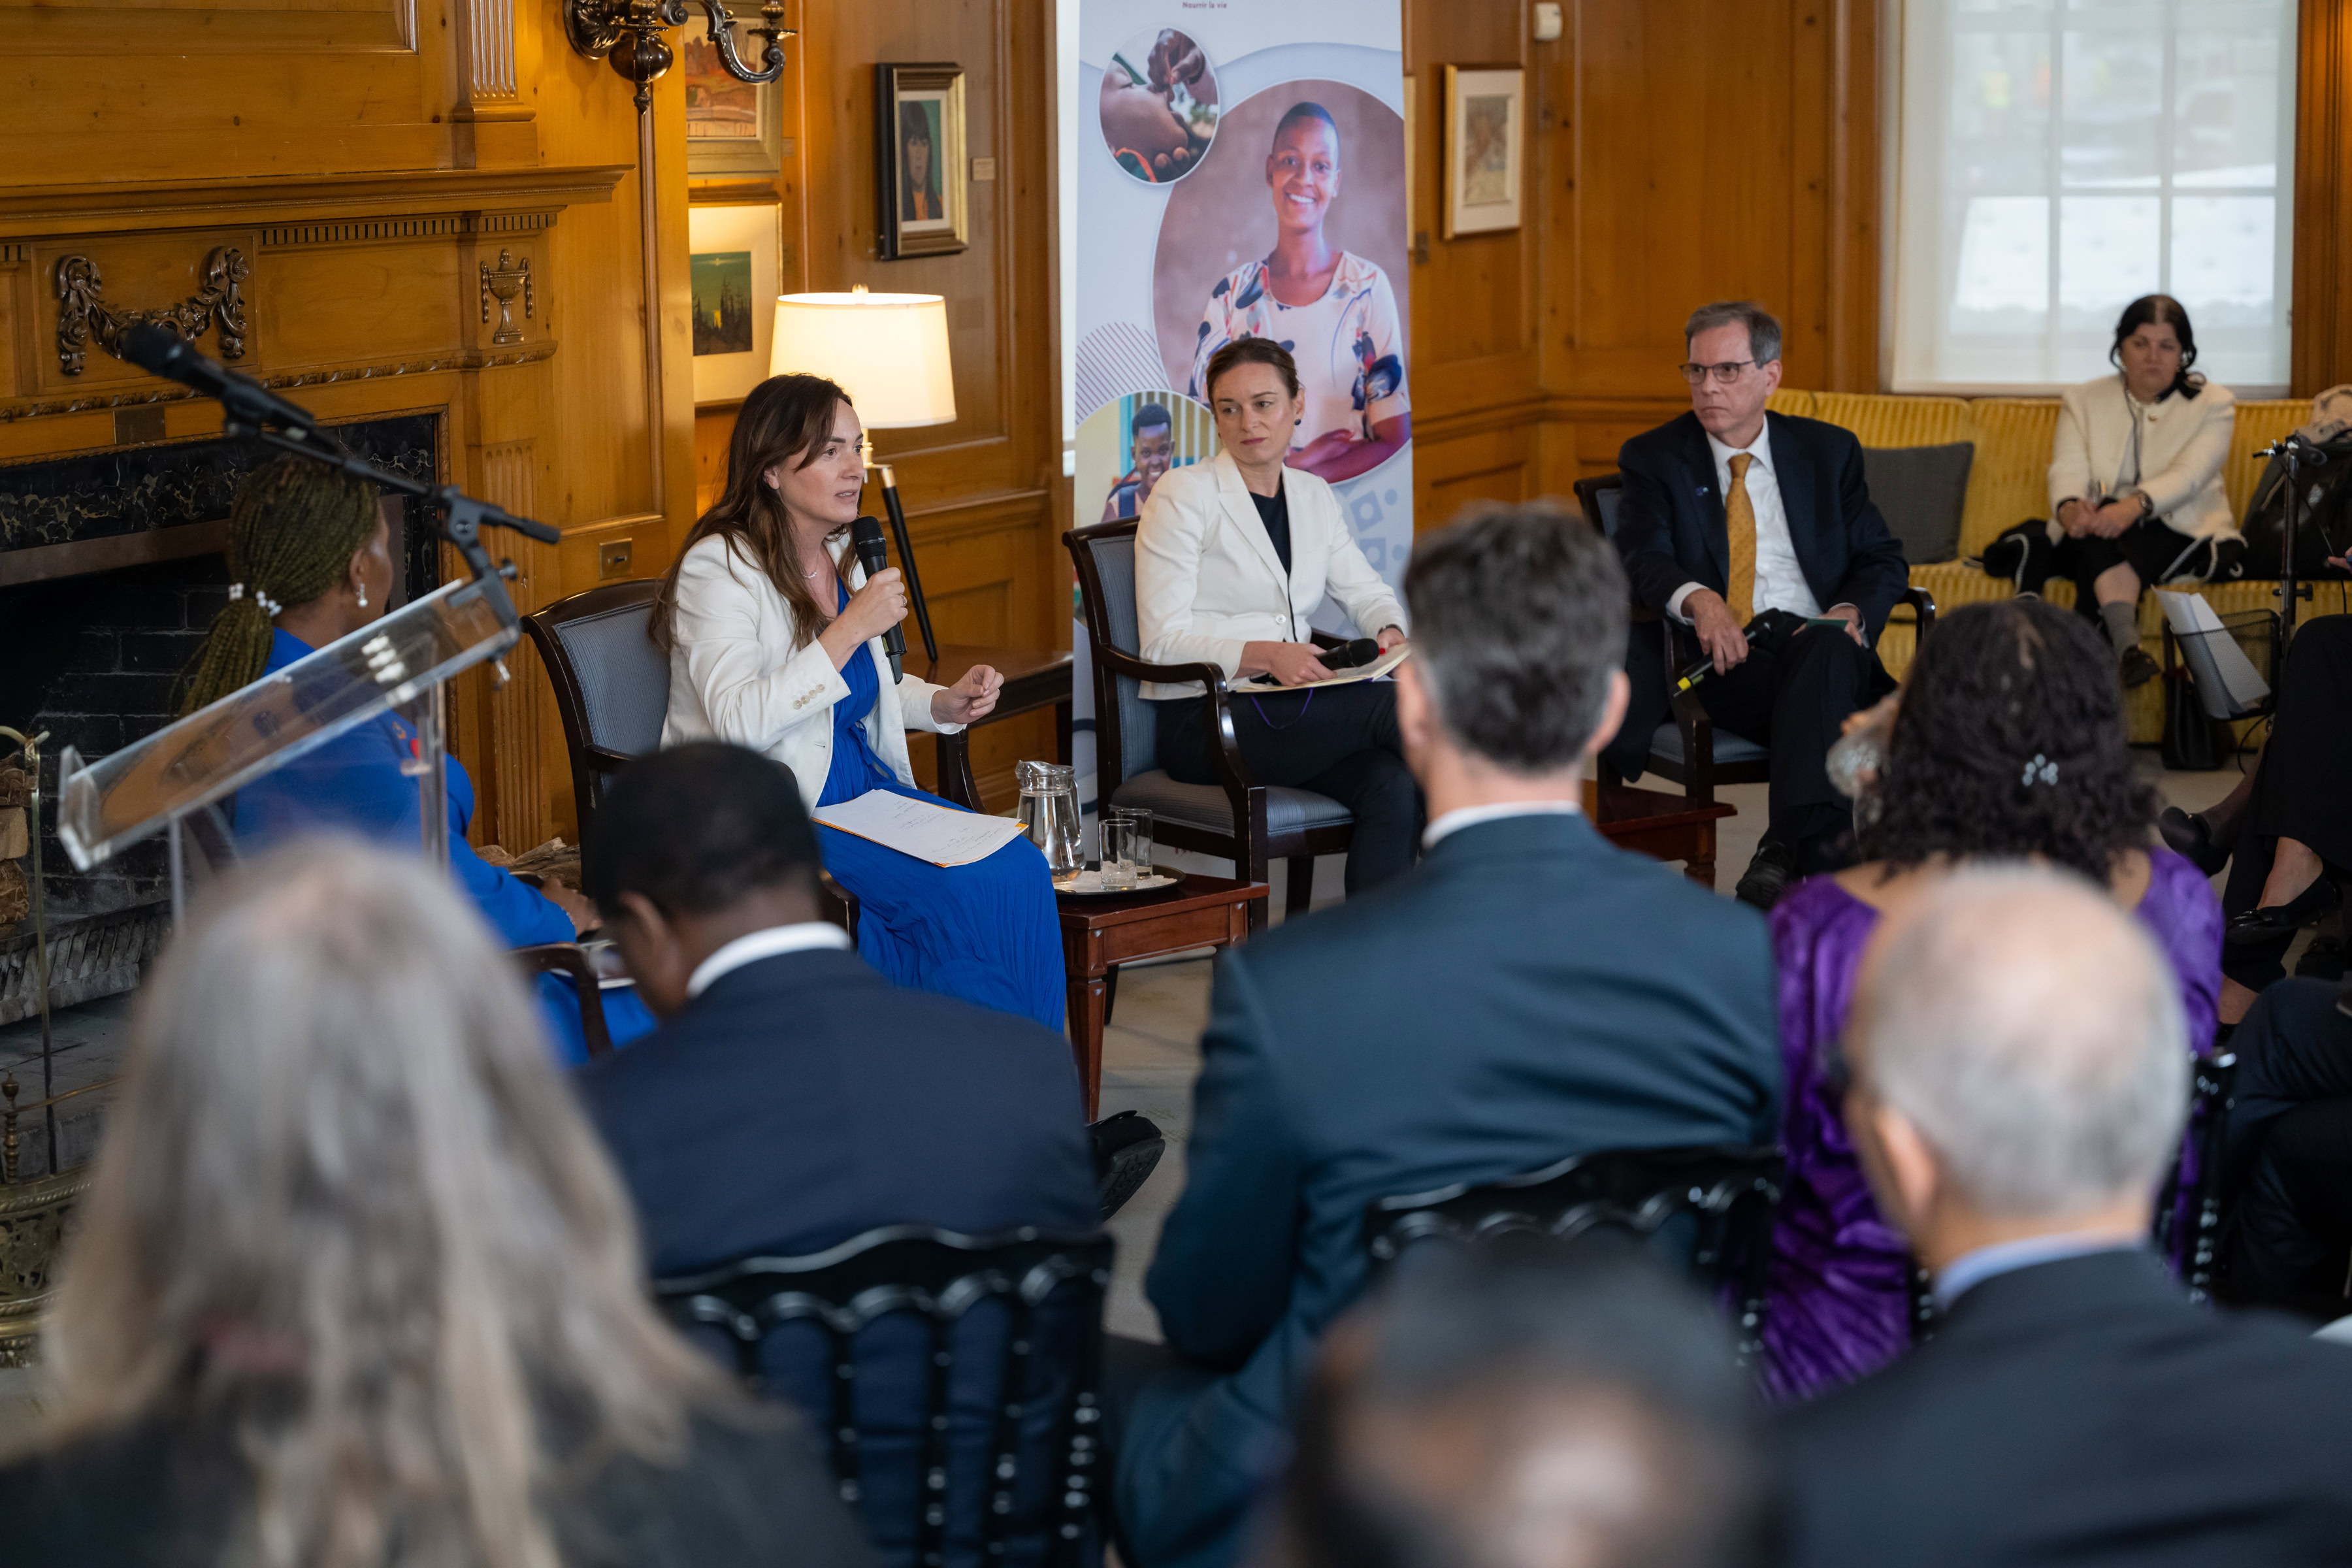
(794, 1097)
(1527, 991)
(1745, 526)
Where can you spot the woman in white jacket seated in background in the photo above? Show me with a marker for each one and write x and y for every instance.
(2136, 495)
(774, 636)
(1232, 556)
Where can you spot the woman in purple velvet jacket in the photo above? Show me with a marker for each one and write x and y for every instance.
(2007, 741)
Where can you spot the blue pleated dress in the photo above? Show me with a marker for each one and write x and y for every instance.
(986, 933)
(354, 784)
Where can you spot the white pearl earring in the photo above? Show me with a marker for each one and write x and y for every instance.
(359, 591)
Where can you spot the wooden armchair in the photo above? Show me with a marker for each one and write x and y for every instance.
(1238, 818)
(1686, 749)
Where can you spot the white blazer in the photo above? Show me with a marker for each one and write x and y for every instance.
(735, 675)
(2183, 442)
(1207, 579)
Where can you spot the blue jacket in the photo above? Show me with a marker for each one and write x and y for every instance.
(1527, 993)
(354, 785)
(803, 1099)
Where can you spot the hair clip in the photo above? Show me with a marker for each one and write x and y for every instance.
(2040, 770)
(270, 606)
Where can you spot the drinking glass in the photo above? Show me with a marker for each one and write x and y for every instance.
(1127, 848)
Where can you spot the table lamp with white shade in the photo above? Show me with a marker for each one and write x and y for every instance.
(889, 352)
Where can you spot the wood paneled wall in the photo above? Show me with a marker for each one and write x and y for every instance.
(368, 156)
(1679, 151)
(985, 500)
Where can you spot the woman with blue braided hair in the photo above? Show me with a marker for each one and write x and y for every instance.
(309, 562)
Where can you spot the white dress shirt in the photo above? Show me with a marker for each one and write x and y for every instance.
(1780, 582)
(802, 938)
(1455, 821)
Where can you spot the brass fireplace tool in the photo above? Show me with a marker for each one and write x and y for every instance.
(28, 747)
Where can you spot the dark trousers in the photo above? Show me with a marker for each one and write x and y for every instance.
(1337, 740)
(2287, 1163)
(1796, 687)
(2303, 788)
(2154, 550)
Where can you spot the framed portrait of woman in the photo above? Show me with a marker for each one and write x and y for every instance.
(921, 173)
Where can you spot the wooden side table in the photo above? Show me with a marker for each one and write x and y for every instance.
(1654, 823)
(1098, 933)
(1033, 678)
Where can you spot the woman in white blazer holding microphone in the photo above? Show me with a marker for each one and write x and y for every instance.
(1232, 556)
(2136, 494)
(774, 635)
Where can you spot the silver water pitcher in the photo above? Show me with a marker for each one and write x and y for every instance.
(1049, 812)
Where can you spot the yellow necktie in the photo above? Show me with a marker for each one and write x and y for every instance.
(1739, 521)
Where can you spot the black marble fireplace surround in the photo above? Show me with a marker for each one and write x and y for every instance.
(94, 652)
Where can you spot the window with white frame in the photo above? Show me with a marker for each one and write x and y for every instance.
(2057, 159)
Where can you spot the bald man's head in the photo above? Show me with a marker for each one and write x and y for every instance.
(2032, 1033)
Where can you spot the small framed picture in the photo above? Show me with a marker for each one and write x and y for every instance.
(919, 163)
(1485, 113)
(732, 128)
(733, 257)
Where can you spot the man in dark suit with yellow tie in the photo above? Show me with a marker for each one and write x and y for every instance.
(1753, 529)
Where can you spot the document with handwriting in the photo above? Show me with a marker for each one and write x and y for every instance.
(938, 834)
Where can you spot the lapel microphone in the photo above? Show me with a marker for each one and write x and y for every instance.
(866, 538)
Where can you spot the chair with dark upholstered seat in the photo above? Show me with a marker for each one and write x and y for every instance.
(988, 1449)
(1688, 749)
(612, 689)
(1728, 1192)
(1238, 818)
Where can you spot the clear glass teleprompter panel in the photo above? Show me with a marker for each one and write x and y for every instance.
(124, 797)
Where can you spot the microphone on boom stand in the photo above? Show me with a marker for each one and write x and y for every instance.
(866, 538)
(165, 352)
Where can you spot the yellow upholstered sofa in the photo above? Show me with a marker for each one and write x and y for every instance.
(2008, 483)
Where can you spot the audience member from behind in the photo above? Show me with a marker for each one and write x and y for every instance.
(2288, 1165)
(2020, 1074)
(355, 1287)
(794, 1097)
(1755, 531)
(1524, 1407)
(1527, 991)
(2007, 742)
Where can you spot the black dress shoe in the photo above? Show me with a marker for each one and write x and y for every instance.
(2192, 838)
(2323, 960)
(2256, 927)
(1766, 875)
(2137, 668)
(1126, 1149)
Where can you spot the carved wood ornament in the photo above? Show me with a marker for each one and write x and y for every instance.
(83, 314)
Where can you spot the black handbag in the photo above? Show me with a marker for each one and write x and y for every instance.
(2190, 744)
(2022, 554)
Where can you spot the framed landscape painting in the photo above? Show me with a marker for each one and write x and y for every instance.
(733, 257)
(1485, 148)
(733, 129)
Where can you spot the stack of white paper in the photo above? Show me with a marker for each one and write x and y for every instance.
(941, 835)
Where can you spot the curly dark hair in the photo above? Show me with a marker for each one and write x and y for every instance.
(1996, 689)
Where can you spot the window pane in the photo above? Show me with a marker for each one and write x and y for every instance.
(2059, 158)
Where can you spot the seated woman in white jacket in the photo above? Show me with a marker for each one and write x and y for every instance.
(1232, 556)
(775, 643)
(2136, 494)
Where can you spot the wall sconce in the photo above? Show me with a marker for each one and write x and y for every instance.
(603, 29)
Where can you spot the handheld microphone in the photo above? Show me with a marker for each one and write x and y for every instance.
(167, 355)
(1350, 655)
(866, 538)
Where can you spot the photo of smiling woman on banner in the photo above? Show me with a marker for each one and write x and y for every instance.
(1331, 307)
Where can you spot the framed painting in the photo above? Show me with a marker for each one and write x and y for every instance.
(921, 173)
(733, 264)
(732, 128)
(1486, 111)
